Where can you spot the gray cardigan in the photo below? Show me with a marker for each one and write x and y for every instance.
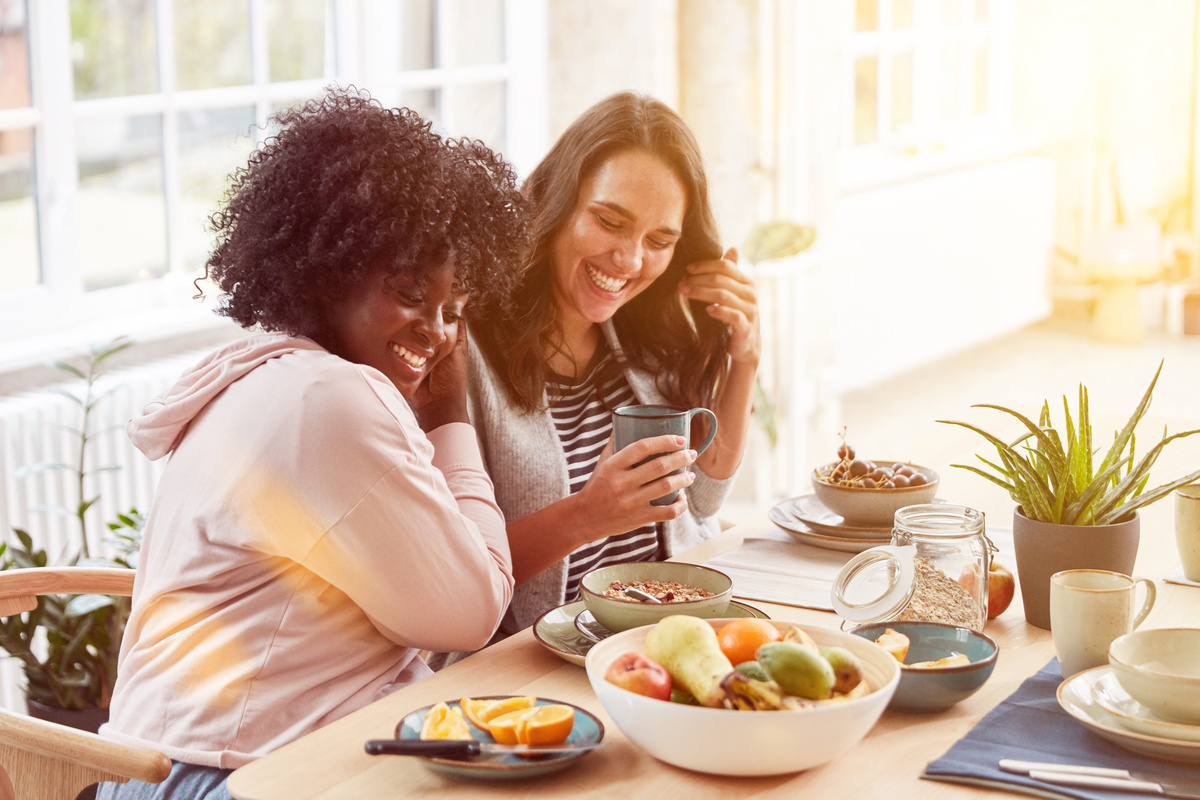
(527, 465)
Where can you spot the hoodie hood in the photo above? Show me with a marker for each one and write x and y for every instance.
(159, 428)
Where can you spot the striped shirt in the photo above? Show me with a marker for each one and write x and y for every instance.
(582, 414)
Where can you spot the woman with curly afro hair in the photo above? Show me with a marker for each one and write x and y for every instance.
(325, 514)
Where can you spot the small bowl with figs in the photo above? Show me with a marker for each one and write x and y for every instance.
(867, 492)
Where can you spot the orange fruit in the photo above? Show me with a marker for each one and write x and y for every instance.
(548, 724)
(443, 722)
(479, 712)
(740, 639)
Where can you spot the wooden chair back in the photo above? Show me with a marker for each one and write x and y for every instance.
(42, 760)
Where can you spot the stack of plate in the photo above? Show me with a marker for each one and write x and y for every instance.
(1096, 698)
(810, 521)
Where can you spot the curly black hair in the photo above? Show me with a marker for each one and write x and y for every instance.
(348, 186)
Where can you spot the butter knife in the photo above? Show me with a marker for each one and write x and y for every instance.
(454, 748)
(1105, 778)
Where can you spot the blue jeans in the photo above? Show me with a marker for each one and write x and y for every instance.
(186, 782)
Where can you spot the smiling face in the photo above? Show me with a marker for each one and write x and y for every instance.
(402, 325)
(620, 237)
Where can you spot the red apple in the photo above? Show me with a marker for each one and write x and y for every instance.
(640, 675)
(1001, 586)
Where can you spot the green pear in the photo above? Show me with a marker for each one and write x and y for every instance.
(688, 648)
(846, 667)
(799, 670)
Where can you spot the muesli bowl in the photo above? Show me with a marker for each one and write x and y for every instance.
(870, 505)
(728, 742)
(687, 579)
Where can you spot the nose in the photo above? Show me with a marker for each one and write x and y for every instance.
(433, 327)
(628, 256)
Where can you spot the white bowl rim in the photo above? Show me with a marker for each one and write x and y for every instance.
(929, 482)
(584, 591)
(1156, 632)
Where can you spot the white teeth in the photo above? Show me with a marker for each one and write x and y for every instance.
(407, 355)
(603, 281)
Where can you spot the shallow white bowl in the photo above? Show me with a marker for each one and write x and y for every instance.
(725, 742)
(1160, 668)
(621, 615)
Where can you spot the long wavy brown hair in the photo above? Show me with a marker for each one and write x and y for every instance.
(658, 330)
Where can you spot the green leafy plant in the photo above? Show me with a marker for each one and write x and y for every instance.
(1054, 478)
(75, 665)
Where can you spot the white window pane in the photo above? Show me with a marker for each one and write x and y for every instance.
(902, 13)
(979, 80)
(418, 35)
(951, 12)
(213, 143)
(296, 29)
(18, 218)
(476, 33)
(949, 78)
(14, 56)
(426, 102)
(866, 100)
(478, 112)
(119, 209)
(212, 43)
(902, 90)
(866, 15)
(981, 10)
(113, 48)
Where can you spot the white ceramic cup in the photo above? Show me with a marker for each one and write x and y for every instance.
(1089, 608)
(1187, 529)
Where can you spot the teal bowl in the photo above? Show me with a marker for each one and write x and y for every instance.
(927, 691)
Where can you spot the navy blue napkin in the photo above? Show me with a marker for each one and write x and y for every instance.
(1030, 726)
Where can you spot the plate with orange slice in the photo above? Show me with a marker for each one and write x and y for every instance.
(505, 719)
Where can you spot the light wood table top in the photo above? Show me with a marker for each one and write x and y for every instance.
(330, 762)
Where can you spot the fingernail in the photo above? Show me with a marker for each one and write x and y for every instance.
(679, 440)
(692, 454)
(691, 477)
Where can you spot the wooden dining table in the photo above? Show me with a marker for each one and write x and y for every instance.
(330, 762)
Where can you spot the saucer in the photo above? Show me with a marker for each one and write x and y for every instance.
(1112, 697)
(587, 730)
(812, 513)
(1076, 698)
(556, 630)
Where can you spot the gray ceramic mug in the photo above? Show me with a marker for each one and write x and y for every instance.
(631, 423)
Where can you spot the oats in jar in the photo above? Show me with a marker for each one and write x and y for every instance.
(663, 591)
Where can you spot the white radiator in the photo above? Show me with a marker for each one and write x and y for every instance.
(935, 265)
(32, 430)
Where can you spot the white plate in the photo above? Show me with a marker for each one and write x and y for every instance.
(808, 511)
(1112, 697)
(555, 630)
(1075, 697)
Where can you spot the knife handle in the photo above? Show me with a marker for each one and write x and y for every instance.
(1096, 782)
(423, 747)
(1024, 767)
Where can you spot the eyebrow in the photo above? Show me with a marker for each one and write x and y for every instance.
(630, 215)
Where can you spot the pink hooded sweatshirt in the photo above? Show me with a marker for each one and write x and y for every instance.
(306, 540)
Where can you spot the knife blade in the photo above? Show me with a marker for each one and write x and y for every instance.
(1106, 778)
(453, 748)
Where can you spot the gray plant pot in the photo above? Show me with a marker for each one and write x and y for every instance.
(87, 719)
(1044, 548)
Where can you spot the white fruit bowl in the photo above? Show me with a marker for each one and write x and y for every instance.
(726, 742)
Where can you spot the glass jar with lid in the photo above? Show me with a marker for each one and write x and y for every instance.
(934, 570)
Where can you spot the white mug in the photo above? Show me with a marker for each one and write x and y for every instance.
(1187, 529)
(1088, 609)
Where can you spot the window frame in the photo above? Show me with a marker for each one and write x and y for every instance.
(58, 314)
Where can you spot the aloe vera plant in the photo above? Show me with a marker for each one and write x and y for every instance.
(1057, 481)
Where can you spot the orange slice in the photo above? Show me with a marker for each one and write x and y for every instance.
(443, 722)
(479, 712)
(548, 724)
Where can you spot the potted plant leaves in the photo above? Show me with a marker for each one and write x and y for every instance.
(68, 645)
(1072, 512)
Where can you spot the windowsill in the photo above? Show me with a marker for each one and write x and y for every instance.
(868, 172)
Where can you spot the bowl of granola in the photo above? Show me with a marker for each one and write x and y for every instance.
(617, 594)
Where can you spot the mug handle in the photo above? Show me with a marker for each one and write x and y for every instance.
(1148, 603)
(712, 428)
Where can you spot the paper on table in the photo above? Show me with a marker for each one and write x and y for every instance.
(1176, 576)
(778, 569)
